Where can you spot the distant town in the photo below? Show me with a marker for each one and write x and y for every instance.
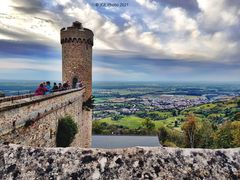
(113, 101)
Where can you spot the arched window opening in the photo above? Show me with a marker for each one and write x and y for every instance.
(74, 82)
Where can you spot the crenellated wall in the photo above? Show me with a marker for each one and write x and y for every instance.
(17, 162)
(32, 120)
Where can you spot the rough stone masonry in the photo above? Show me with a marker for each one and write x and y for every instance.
(17, 162)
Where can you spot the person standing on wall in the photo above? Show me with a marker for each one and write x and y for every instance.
(48, 87)
(41, 90)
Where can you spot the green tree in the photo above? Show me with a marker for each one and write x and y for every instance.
(148, 124)
(237, 116)
(235, 131)
(238, 103)
(205, 135)
(223, 136)
(175, 112)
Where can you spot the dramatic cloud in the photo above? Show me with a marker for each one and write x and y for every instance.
(218, 15)
(26, 6)
(150, 33)
(152, 5)
(190, 6)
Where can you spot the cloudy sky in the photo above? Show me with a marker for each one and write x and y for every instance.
(149, 40)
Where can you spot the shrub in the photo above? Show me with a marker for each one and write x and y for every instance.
(238, 103)
(177, 137)
(170, 137)
(163, 134)
(148, 124)
(67, 129)
(169, 144)
(117, 117)
(237, 116)
(89, 104)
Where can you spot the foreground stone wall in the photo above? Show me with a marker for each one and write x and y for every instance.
(18, 162)
(33, 121)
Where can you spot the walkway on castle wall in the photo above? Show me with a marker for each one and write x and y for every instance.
(20, 100)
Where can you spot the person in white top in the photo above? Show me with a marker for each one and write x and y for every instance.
(79, 84)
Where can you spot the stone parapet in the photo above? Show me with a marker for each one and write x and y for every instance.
(77, 40)
(17, 162)
(12, 102)
(10, 99)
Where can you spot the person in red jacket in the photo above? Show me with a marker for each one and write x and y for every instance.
(41, 90)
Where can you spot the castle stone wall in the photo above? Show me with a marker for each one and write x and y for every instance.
(18, 162)
(77, 63)
(33, 121)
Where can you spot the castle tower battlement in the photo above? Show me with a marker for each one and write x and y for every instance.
(77, 43)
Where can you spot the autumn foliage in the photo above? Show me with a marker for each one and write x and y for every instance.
(190, 130)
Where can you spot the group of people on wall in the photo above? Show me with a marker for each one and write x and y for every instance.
(46, 87)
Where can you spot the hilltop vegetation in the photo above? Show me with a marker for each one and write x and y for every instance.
(212, 125)
(217, 113)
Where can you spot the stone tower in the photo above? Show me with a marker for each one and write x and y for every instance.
(77, 45)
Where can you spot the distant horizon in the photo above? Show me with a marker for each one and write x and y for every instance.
(129, 81)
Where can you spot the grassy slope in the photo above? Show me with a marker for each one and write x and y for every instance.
(134, 122)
